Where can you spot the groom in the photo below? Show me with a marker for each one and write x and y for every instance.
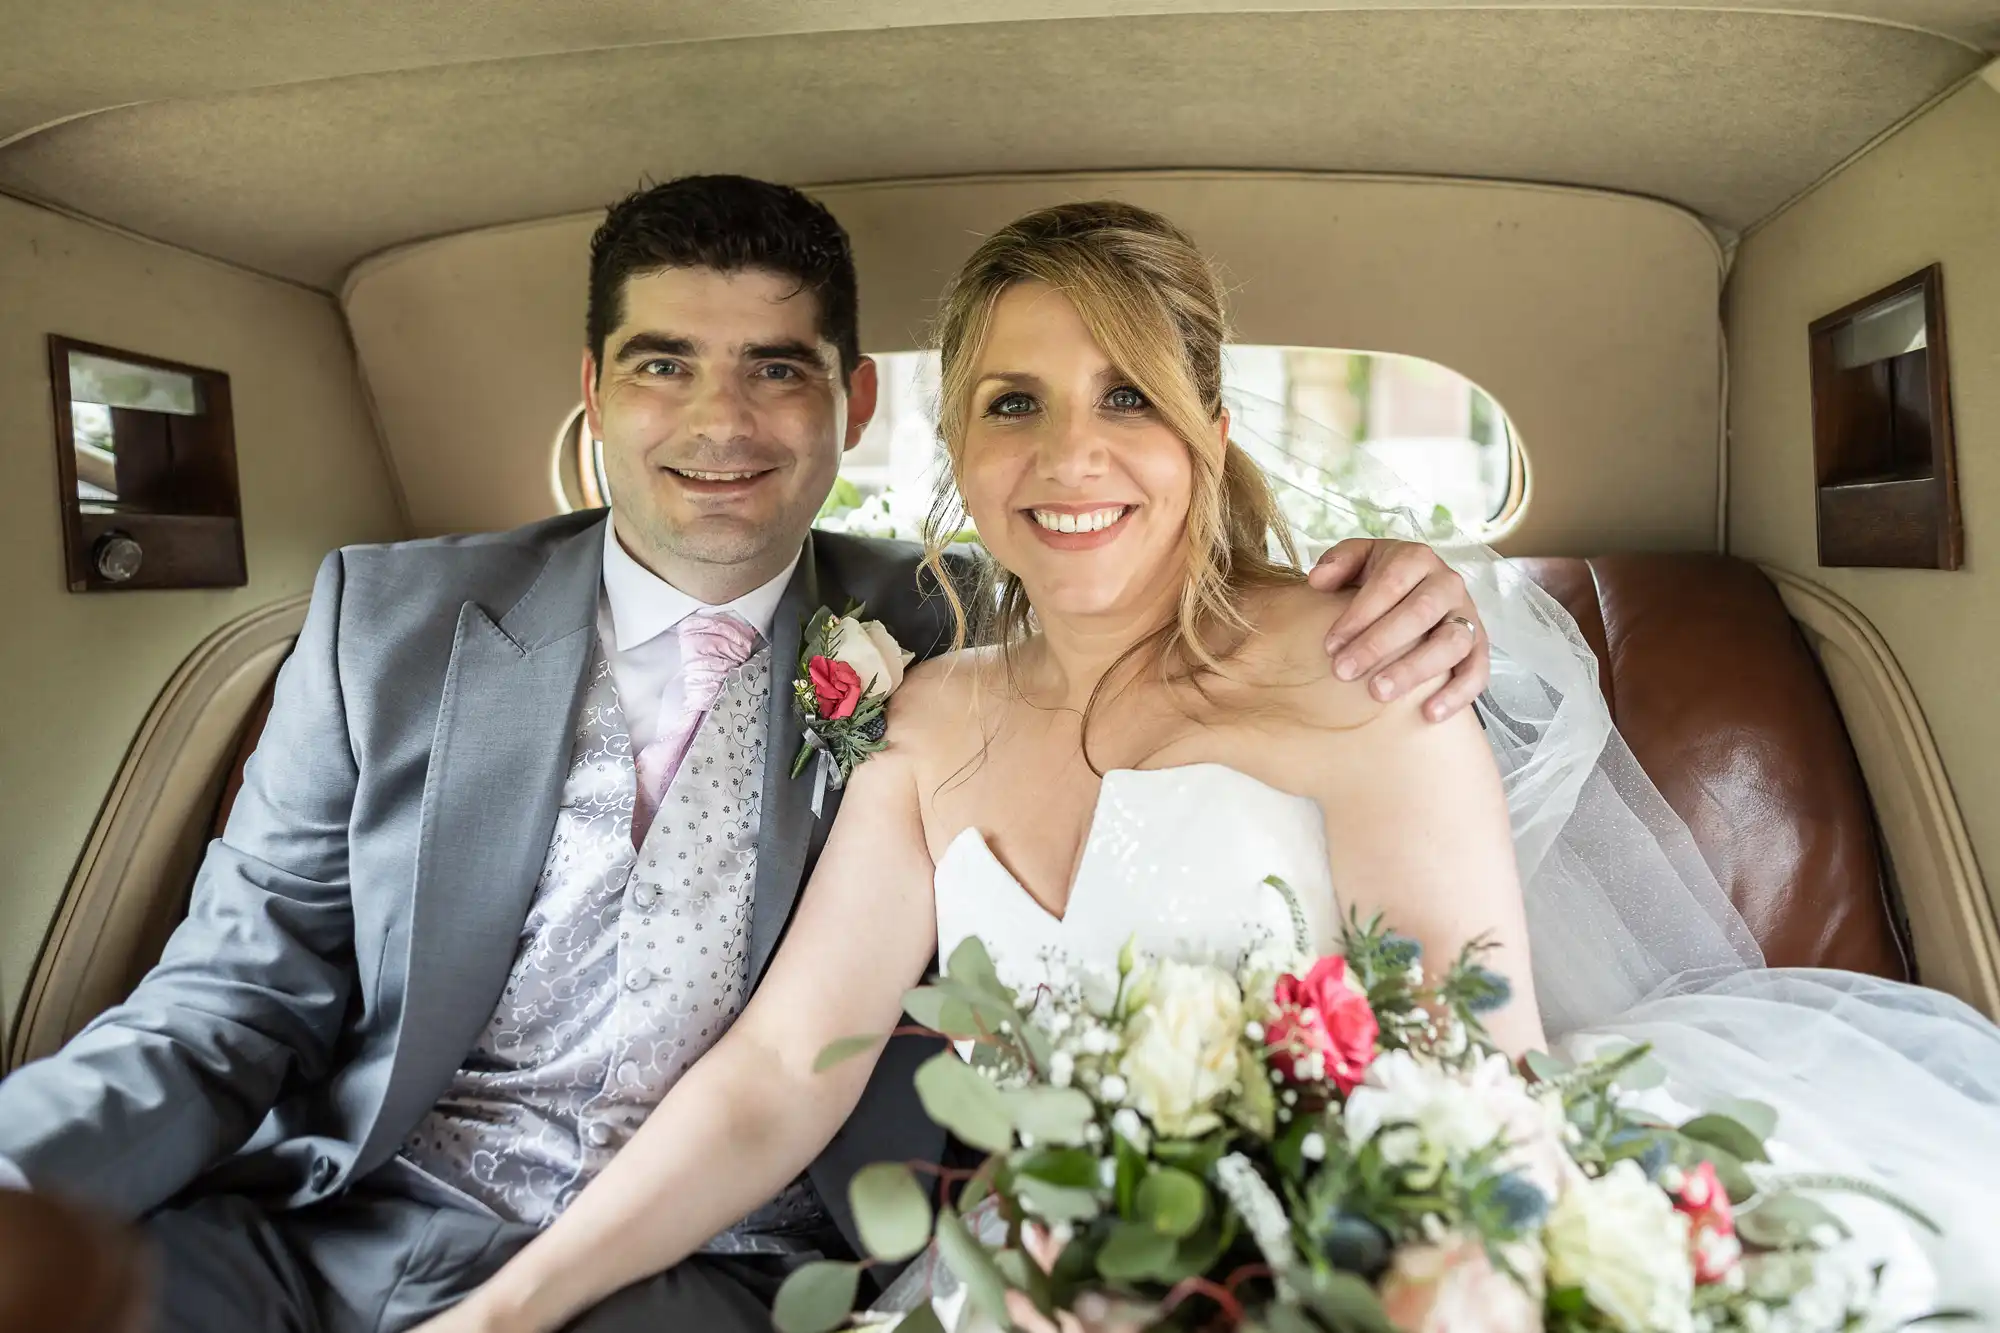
(436, 971)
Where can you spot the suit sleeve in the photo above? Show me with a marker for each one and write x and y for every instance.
(252, 988)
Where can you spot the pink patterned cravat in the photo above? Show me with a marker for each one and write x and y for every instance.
(712, 646)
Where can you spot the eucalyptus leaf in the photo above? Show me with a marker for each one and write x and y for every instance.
(1783, 1221)
(1729, 1169)
(1024, 1274)
(816, 1298)
(1287, 1319)
(923, 1319)
(1195, 1156)
(975, 1192)
(1172, 1202)
(1642, 1074)
(972, 966)
(1759, 1118)
(1133, 1252)
(1057, 1203)
(988, 1008)
(890, 1210)
(941, 1011)
(973, 1266)
(1546, 1067)
(932, 1008)
(1051, 1115)
(1073, 1167)
(1729, 1135)
(1257, 1109)
(1288, 1148)
(964, 1101)
(1041, 1047)
(1197, 1254)
(839, 1052)
(1131, 1170)
(1344, 1301)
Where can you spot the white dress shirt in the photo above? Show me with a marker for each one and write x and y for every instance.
(634, 613)
(633, 616)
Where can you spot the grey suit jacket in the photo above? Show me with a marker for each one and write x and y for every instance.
(351, 930)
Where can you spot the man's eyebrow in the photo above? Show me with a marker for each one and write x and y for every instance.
(657, 344)
(786, 349)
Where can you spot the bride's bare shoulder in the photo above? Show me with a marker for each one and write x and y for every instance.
(940, 690)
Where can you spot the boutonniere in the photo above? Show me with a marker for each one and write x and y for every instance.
(848, 668)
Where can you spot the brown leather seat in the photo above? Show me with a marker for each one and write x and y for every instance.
(1725, 708)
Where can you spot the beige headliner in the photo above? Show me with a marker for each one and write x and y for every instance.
(1591, 317)
(298, 148)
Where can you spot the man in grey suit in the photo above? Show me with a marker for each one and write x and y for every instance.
(521, 835)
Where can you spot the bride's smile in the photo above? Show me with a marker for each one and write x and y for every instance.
(1075, 481)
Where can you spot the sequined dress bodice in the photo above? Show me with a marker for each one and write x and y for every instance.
(1175, 860)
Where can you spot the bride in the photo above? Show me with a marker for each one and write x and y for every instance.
(1147, 731)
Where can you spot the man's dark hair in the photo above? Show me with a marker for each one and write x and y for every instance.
(726, 223)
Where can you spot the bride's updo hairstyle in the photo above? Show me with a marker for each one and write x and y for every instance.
(1153, 303)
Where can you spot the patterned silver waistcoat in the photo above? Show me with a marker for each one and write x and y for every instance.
(631, 965)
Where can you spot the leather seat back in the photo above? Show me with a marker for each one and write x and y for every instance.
(1726, 709)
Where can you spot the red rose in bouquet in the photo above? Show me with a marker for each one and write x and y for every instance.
(836, 687)
(1712, 1242)
(1324, 1030)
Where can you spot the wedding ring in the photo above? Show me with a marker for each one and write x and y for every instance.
(1456, 619)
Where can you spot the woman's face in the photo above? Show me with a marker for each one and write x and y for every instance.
(1076, 484)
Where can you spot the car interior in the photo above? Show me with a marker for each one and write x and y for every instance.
(1709, 290)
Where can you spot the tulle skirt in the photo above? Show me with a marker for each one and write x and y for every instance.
(1888, 1082)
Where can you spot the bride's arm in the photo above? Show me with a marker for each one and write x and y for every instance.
(751, 1113)
(1417, 828)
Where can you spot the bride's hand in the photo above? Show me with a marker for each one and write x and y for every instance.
(1411, 620)
(474, 1314)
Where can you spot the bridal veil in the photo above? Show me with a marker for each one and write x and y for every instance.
(1634, 939)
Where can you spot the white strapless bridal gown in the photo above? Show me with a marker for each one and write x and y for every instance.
(1176, 858)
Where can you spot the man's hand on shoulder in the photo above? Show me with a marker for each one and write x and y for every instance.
(1412, 619)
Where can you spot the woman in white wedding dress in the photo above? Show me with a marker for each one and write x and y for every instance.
(1151, 732)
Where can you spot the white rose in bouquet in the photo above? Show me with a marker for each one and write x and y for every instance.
(1619, 1239)
(1437, 1118)
(1530, 1120)
(873, 653)
(1181, 1052)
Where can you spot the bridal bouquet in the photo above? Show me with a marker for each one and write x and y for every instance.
(1299, 1144)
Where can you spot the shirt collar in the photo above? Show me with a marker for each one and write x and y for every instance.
(645, 606)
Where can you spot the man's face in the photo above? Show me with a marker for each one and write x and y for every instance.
(723, 418)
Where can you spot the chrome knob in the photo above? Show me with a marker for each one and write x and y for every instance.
(116, 557)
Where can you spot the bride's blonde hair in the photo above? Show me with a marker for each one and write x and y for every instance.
(1153, 303)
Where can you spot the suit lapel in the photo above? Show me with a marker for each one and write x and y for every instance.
(787, 832)
(499, 758)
